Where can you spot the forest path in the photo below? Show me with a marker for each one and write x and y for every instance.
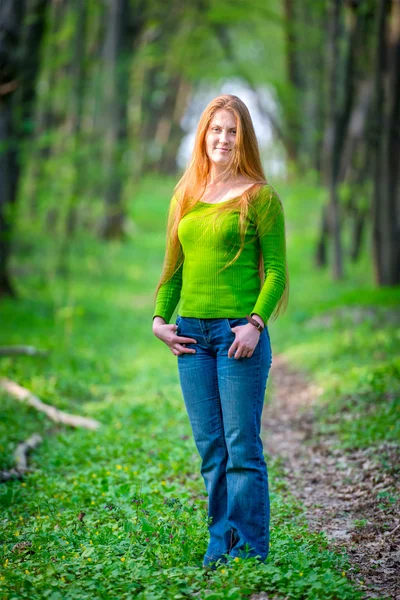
(348, 494)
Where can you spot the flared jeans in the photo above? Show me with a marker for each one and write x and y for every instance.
(224, 399)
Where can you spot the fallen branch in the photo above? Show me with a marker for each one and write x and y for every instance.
(58, 416)
(23, 449)
(21, 458)
(393, 530)
(21, 350)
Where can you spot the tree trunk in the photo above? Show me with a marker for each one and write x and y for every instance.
(359, 219)
(331, 142)
(46, 116)
(20, 53)
(11, 18)
(79, 78)
(321, 258)
(117, 45)
(292, 108)
(174, 110)
(386, 197)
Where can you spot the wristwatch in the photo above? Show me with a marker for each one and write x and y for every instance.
(255, 323)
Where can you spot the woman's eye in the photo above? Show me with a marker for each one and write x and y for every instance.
(217, 129)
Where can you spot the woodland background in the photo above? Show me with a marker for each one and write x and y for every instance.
(99, 101)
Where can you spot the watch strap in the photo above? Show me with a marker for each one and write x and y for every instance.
(255, 323)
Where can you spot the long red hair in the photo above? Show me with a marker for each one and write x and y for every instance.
(244, 161)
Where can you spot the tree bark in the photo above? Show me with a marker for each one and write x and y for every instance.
(20, 57)
(292, 109)
(386, 197)
(78, 74)
(332, 140)
(11, 18)
(46, 116)
(116, 56)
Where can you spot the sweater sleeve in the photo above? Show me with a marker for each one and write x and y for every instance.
(170, 291)
(270, 223)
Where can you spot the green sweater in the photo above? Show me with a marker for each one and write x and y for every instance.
(207, 246)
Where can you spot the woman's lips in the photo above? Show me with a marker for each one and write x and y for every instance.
(223, 149)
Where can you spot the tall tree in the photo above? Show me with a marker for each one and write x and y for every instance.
(386, 196)
(332, 137)
(295, 81)
(48, 116)
(78, 75)
(116, 57)
(19, 64)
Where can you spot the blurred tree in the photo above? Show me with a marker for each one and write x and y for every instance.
(20, 44)
(116, 88)
(79, 76)
(386, 196)
(302, 94)
(118, 76)
(47, 115)
(346, 156)
(165, 89)
(337, 119)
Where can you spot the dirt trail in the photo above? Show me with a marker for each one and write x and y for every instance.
(343, 490)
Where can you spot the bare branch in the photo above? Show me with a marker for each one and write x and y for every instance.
(21, 458)
(21, 350)
(56, 415)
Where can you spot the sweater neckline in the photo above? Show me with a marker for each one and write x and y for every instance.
(229, 200)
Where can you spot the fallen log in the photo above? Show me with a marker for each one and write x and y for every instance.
(21, 350)
(58, 416)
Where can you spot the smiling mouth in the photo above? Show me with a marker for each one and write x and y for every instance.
(222, 149)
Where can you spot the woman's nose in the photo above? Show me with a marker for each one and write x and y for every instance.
(223, 136)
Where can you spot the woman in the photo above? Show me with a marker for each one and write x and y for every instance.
(226, 262)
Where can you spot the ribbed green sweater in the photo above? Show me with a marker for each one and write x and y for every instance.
(235, 291)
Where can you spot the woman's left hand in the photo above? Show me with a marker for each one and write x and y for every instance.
(246, 339)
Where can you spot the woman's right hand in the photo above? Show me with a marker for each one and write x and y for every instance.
(166, 333)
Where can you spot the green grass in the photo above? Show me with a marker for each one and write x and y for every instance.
(137, 479)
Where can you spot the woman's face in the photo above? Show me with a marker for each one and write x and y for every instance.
(221, 136)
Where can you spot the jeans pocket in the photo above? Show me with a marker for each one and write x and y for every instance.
(234, 322)
(178, 323)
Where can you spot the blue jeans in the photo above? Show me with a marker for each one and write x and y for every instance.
(224, 399)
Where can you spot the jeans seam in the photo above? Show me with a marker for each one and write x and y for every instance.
(229, 325)
(221, 426)
(264, 502)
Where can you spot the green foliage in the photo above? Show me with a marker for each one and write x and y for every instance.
(345, 334)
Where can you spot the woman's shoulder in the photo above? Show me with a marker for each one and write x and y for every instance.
(267, 197)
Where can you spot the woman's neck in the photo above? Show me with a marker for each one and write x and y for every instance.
(216, 180)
